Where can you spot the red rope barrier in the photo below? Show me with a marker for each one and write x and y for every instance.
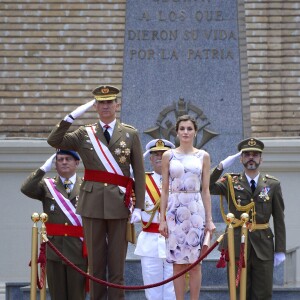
(42, 261)
(241, 264)
(130, 287)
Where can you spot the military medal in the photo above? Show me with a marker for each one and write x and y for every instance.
(264, 193)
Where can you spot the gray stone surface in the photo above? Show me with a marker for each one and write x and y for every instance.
(189, 50)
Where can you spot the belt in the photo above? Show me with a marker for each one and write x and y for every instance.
(185, 192)
(255, 226)
(111, 178)
(66, 230)
(153, 227)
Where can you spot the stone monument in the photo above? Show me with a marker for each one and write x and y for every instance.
(183, 56)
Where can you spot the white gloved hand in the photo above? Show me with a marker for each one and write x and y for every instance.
(228, 161)
(46, 167)
(279, 257)
(136, 215)
(79, 111)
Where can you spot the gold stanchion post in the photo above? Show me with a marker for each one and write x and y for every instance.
(244, 237)
(34, 253)
(231, 263)
(44, 219)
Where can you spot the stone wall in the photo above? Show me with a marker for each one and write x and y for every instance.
(273, 44)
(53, 53)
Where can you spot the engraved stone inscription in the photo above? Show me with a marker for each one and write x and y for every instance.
(184, 30)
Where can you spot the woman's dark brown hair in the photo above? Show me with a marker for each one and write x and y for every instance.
(186, 118)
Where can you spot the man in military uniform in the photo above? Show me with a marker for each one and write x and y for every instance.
(264, 191)
(108, 150)
(151, 244)
(59, 196)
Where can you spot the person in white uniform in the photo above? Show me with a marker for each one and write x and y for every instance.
(151, 244)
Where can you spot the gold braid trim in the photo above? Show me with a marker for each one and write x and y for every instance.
(245, 208)
(152, 212)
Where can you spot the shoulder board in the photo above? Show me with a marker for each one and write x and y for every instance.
(90, 125)
(149, 173)
(129, 126)
(271, 177)
(231, 174)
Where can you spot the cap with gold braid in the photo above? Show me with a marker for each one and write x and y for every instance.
(105, 93)
(251, 144)
(158, 145)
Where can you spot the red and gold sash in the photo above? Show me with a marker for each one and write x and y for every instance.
(154, 194)
(152, 189)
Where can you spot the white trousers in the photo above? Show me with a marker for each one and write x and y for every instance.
(155, 270)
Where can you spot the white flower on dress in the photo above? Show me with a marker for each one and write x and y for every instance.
(185, 198)
(185, 226)
(172, 242)
(179, 235)
(196, 221)
(176, 185)
(176, 254)
(170, 218)
(194, 207)
(193, 237)
(191, 183)
(191, 164)
(176, 169)
(194, 254)
(182, 214)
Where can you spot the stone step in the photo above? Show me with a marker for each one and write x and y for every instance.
(14, 291)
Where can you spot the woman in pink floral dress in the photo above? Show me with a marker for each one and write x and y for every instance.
(186, 208)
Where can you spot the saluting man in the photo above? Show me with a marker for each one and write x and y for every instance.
(59, 196)
(151, 245)
(262, 196)
(107, 148)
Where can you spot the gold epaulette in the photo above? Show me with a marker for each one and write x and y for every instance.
(227, 175)
(271, 177)
(129, 126)
(232, 174)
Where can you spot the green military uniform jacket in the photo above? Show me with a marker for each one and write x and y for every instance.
(36, 188)
(98, 199)
(268, 202)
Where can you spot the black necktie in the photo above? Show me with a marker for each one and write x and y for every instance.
(106, 133)
(252, 185)
(67, 185)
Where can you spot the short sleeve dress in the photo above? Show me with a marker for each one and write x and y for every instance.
(185, 212)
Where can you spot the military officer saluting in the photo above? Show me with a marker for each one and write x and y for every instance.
(59, 196)
(265, 248)
(151, 245)
(108, 149)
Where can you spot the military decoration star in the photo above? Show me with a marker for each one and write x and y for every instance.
(122, 144)
(118, 151)
(122, 159)
(127, 151)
